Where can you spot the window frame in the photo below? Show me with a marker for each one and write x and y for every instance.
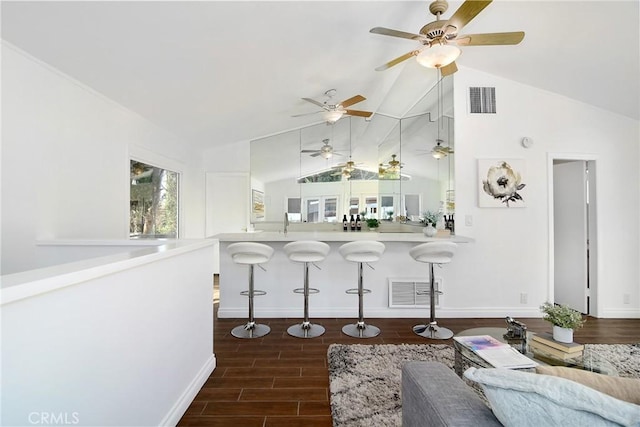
(141, 155)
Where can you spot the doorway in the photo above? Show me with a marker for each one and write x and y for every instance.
(573, 243)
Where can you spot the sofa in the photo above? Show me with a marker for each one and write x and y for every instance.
(433, 395)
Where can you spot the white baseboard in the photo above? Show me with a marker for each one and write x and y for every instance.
(616, 313)
(385, 312)
(180, 407)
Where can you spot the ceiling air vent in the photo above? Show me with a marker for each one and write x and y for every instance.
(404, 292)
(482, 100)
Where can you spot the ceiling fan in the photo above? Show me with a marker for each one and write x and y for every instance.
(334, 112)
(439, 151)
(393, 165)
(326, 151)
(440, 38)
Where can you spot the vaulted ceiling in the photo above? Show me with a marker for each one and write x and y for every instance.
(216, 72)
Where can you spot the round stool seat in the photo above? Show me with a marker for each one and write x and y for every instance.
(362, 251)
(250, 252)
(306, 251)
(434, 252)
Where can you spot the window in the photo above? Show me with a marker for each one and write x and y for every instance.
(371, 204)
(354, 206)
(386, 207)
(294, 211)
(319, 209)
(153, 202)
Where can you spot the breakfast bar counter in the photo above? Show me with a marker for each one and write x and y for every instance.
(388, 279)
(334, 236)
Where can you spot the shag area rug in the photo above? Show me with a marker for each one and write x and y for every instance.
(364, 380)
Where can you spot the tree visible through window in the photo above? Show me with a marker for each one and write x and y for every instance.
(153, 202)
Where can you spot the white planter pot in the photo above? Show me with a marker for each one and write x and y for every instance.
(562, 334)
(429, 231)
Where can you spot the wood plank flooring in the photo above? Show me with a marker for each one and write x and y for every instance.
(282, 381)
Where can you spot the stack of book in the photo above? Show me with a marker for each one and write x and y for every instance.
(496, 353)
(544, 346)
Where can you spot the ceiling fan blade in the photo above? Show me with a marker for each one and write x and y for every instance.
(313, 101)
(358, 113)
(490, 39)
(397, 60)
(465, 13)
(395, 33)
(316, 154)
(352, 100)
(310, 151)
(447, 70)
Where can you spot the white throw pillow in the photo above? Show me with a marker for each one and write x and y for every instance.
(526, 399)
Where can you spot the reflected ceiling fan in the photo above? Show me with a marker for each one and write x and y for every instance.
(393, 166)
(334, 112)
(438, 151)
(345, 169)
(440, 39)
(326, 151)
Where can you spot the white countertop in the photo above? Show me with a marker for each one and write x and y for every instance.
(334, 236)
(21, 285)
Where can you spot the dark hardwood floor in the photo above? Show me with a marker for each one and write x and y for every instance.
(281, 381)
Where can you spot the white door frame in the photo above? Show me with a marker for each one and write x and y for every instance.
(595, 308)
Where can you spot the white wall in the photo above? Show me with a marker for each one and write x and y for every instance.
(511, 253)
(106, 346)
(65, 161)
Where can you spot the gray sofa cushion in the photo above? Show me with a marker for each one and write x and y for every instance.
(433, 395)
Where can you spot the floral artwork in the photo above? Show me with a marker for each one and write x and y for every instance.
(501, 183)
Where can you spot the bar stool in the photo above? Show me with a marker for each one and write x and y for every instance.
(433, 253)
(306, 252)
(361, 252)
(251, 254)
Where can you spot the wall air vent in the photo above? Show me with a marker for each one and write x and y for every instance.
(403, 292)
(482, 100)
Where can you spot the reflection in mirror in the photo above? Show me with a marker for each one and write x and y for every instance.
(389, 168)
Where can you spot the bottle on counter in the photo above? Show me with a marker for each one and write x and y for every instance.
(449, 223)
(345, 223)
(358, 223)
(353, 223)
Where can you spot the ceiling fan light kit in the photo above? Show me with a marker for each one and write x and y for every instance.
(438, 56)
(333, 116)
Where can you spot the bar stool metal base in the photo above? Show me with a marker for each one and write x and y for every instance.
(305, 330)
(250, 330)
(361, 330)
(433, 331)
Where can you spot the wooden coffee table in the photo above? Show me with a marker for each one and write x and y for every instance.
(465, 357)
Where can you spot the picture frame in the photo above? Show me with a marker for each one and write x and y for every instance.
(501, 183)
(257, 205)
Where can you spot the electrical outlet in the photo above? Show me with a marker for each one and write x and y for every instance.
(468, 220)
(523, 298)
(626, 299)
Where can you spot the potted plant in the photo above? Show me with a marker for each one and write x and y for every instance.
(564, 320)
(430, 219)
(372, 223)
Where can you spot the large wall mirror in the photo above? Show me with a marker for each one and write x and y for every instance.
(386, 167)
